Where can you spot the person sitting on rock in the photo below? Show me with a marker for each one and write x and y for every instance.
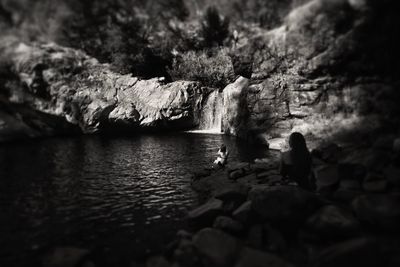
(295, 164)
(222, 156)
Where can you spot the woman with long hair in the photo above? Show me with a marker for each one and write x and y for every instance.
(296, 163)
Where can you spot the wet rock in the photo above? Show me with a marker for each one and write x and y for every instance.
(201, 174)
(237, 174)
(264, 166)
(332, 222)
(356, 252)
(392, 175)
(227, 224)
(283, 205)
(157, 261)
(186, 254)
(396, 145)
(352, 185)
(327, 178)
(237, 192)
(243, 213)
(254, 236)
(375, 183)
(205, 214)
(65, 257)
(382, 210)
(238, 166)
(255, 258)
(273, 239)
(217, 247)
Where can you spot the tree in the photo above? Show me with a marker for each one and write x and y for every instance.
(214, 28)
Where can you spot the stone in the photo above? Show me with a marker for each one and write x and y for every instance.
(355, 252)
(227, 224)
(279, 144)
(157, 261)
(186, 254)
(396, 145)
(201, 174)
(255, 236)
(353, 185)
(255, 258)
(243, 213)
(375, 183)
(332, 222)
(238, 166)
(273, 239)
(236, 191)
(205, 214)
(237, 174)
(381, 210)
(218, 248)
(327, 178)
(392, 175)
(284, 206)
(64, 257)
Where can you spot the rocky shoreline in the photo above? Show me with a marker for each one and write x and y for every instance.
(249, 216)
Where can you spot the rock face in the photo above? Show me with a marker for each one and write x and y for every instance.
(86, 93)
(304, 76)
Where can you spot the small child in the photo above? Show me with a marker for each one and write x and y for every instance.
(222, 156)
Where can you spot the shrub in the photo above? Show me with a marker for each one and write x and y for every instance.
(210, 67)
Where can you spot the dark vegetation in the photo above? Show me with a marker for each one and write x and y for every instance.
(175, 39)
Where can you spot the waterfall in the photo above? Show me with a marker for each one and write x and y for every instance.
(212, 114)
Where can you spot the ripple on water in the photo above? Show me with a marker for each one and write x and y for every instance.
(81, 191)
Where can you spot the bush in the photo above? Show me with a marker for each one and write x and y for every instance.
(210, 67)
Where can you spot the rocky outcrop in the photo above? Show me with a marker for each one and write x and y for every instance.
(18, 121)
(325, 71)
(69, 84)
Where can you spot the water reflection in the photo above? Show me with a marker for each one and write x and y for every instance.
(93, 190)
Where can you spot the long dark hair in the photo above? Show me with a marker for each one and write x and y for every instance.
(301, 157)
(223, 148)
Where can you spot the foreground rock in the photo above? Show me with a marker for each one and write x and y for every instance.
(286, 206)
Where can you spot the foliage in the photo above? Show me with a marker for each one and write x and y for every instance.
(212, 67)
(214, 28)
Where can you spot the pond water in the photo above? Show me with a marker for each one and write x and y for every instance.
(95, 191)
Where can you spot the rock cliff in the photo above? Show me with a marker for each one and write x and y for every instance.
(329, 69)
(69, 84)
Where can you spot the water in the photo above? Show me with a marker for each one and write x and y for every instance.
(212, 114)
(95, 191)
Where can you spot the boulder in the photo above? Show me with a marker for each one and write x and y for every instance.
(283, 205)
(216, 247)
(157, 261)
(227, 224)
(380, 210)
(255, 236)
(375, 183)
(392, 175)
(234, 175)
(327, 177)
(355, 252)
(273, 239)
(249, 257)
(236, 191)
(243, 213)
(64, 257)
(205, 214)
(332, 222)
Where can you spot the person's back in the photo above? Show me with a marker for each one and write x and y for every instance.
(296, 163)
